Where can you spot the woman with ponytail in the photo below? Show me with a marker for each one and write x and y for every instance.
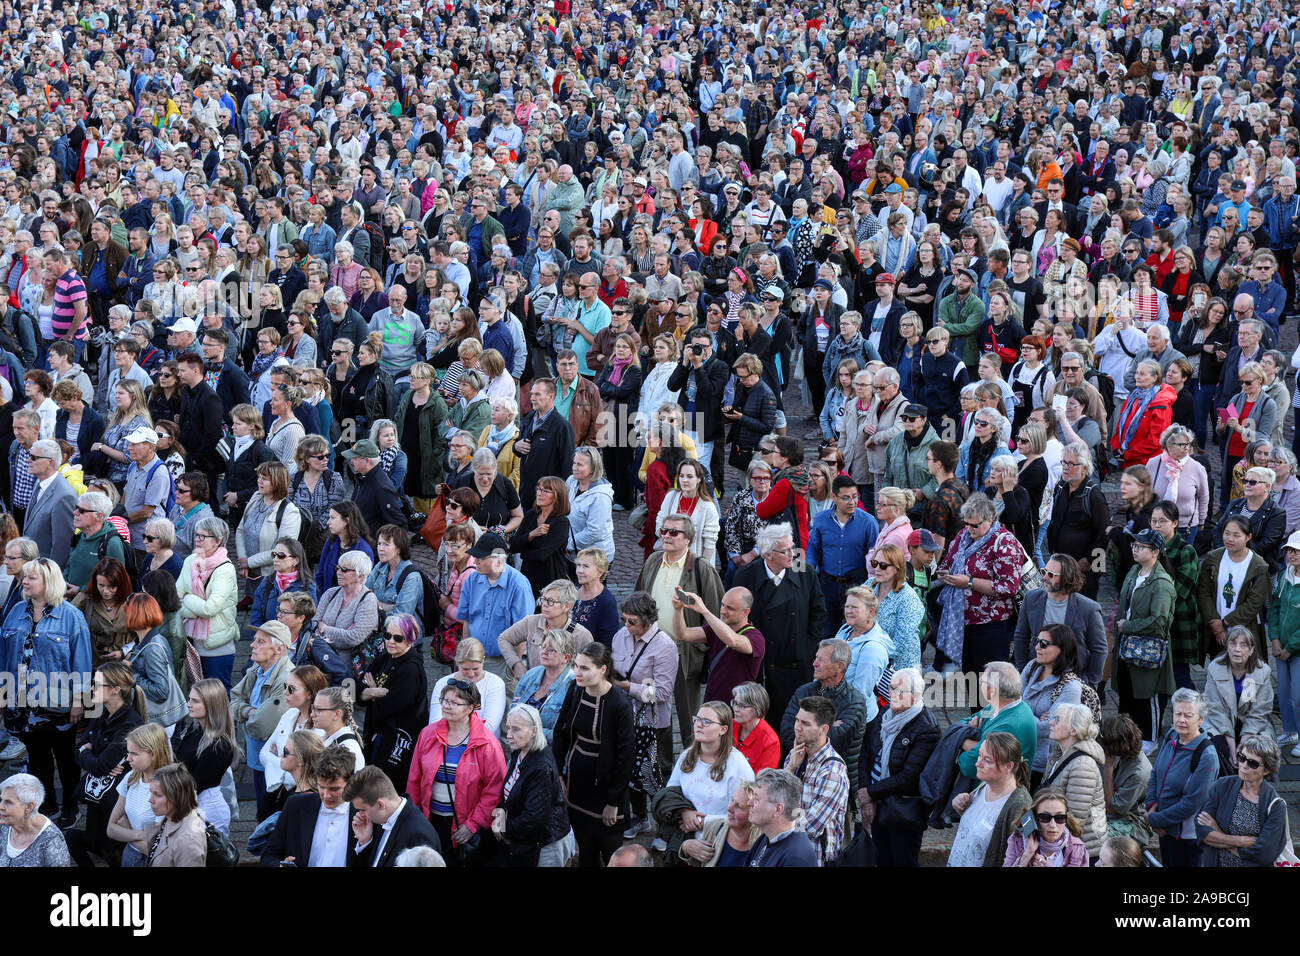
(992, 812)
(118, 705)
(331, 715)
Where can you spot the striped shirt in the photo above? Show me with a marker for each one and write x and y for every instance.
(68, 291)
(442, 799)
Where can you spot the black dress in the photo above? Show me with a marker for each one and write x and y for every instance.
(394, 721)
(497, 504)
(543, 559)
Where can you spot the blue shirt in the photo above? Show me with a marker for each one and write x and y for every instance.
(488, 609)
(841, 550)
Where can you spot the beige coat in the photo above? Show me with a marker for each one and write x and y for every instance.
(885, 418)
(1085, 793)
(183, 844)
(853, 442)
(521, 642)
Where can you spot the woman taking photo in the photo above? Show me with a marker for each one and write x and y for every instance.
(595, 747)
(346, 531)
(101, 603)
(1238, 695)
(1056, 840)
(1185, 768)
(393, 689)
(209, 590)
(1201, 335)
(180, 838)
(689, 496)
(991, 813)
(204, 741)
(457, 775)
(120, 705)
(1076, 771)
(596, 607)
(247, 455)
(541, 538)
(147, 752)
(151, 661)
(531, 817)
(981, 571)
(1244, 820)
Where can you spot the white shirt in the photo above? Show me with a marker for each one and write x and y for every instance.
(388, 828)
(329, 842)
(708, 795)
(777, 578)
(352, 745)
(1234, 571)
(492, 696)
(976, 829)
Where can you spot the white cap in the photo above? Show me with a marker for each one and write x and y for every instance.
(184, 325)
(143, 434)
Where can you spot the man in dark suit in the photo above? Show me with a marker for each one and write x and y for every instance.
(545, 441)
(201, 418)
(48, 521)
(1056, 200)
(385, 824)
(789, 611)
(1082, 614)
(315, 829)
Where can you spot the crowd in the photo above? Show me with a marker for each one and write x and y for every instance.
(288, 290)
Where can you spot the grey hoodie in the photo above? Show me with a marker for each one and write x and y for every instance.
(77, 374)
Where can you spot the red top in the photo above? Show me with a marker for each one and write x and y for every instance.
(1237, 444)
(762, 748)
(777, 500)
(657, 486)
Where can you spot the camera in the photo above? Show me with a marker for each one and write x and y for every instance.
(697, 349)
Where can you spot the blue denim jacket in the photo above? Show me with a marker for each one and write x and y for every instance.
(62, 655)
(550, 709)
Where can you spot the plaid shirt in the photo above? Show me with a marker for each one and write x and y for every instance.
(24, 482)
(825, 800)
(1185, 631)
(940, 513)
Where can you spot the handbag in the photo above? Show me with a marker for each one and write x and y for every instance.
(435, 524)
(465, 852)
(334, 665)
(222, 853)
(638, 515)
(739, 458)
(647, 774)
(1145, 652)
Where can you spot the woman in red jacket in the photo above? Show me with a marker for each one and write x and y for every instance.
(791, 484)
(457, 774)
(1143, 417)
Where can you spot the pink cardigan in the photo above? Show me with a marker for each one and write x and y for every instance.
(480, 774)
(896, 532)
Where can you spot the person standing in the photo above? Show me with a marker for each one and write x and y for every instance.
(545, 442)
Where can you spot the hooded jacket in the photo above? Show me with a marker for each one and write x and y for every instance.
(591, 523)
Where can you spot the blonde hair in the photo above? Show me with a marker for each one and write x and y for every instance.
(897, 497)
(139, 405)
(153, 739)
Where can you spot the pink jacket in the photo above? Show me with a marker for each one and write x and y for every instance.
(455, 581)
(896, 532)
(479, 775)
(1076, 853)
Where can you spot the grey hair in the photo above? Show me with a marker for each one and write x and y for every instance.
(335, 296)
(782, 787)
(1267, 475)
(28, 549)
(483, 458)
(753, 695)
(886, 376)
(1077, 717)
(1083, 453)
(561, 641)
(1185, 695)
(641, 604)
(95, 501)
(912, 680)
(357, 561)
(979, 506)
(841, 651)
(463, 436)
(1074, 357)
(379, 425)
(594, 460)
(1265, 748)
(991, 415)
(1287, 456)
(419, 855)
(685, 520)
(562, 590)
(160, 528)
(855, 318)
(30, 416)
(1004, 679)
(768, 538)
(46, 448)
(534, 719)
(1162, 331)
(1175, 431)
(26, 787)
(474, 379)
(214, 526)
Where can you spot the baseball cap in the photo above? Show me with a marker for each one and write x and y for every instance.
(184, 325)
(924, 540)
(913, 410)
(143, 434)
(276, 631)
(886, 277)
(1237, 184)
(488, 543)
(1149, 537)
(773, 293)
(893, 188)
(363, 449)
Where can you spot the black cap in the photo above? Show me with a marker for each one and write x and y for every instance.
(914, 410)
(487, 543)
(1149, 537)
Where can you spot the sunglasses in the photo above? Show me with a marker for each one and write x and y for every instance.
(1058, 818)
(671, 533)
(1250, 762)
(879, 565)
(1042, 643)
(280, 555)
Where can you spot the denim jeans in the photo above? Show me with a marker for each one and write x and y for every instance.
(1202, 409)
(219, 667)
(1288, 694)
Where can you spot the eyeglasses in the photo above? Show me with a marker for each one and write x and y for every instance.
(1059, 818)
(1242, 761)
(980, 421)
(908, 418)
(1251, 481)
(1069, 464)
(280, 555)
(201, 535)
(699, 721)
(935, 340)
(81, 510)
(973, 526)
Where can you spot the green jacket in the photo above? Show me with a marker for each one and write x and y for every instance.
(963, 322)
(1185, 632)
(1284, 614)
(473, 419)
(1017, 720)
(568, 199)
(430, 443)
(905, 467)
(1251, 608)
(85, 554)
(491, 227)
(1147, 611)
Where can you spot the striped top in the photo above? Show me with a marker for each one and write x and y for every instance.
(444, 783)
(68, 291)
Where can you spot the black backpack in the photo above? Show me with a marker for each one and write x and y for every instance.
(128, 554)
(310, 535)
(431, 619)
(377, 246)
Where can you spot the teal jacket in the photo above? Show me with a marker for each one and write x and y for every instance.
(1017, 720)
(1284, 612)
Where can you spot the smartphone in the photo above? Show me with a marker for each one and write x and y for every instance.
(1028, 825)
(680, 594)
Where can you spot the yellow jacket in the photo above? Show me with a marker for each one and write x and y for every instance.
(688, 446)
(507, 461)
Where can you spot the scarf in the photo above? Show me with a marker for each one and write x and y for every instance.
(616, 369)
(952, 622)
(1175, 469)
(262, 362)
(1138, 400)
(890, 724)
(799, 476)
(387, 458)
(980, 453)
(498, 437)
(1049, 848)
(241, 445)
(198, 628)
(282, 581)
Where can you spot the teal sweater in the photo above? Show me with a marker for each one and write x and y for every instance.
(1017, 720)
(1284, 613)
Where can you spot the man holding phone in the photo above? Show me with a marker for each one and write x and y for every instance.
(733, 647)
(701, 379)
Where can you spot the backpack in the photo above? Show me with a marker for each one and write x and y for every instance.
(309, 531)
(377, 245)
(432, 616)
(170, 503)
(128, 554)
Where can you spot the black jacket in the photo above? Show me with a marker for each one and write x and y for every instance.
(550, 452)
(710, 383)
(107, 738)
(410, 830)
(896, 793)
(295, 829)
(1079, 522)
(200, 425)
(241, 476)
(536, 815)
(406, 705)
(378, 500)
(757, 407)
(614, 764)
(92, 430)
(1267, 529)
(850, 719)
(232, 386)
(352, 327)
(790, 617)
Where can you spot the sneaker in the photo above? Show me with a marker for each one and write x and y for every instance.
(1282, 740)
(69, 820)
(659, 845)
(13, 750)
(1295, 751)
(617, 507)
(639, 825)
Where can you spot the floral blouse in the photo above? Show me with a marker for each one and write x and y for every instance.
(999, 560)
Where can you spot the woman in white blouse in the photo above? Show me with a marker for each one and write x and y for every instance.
(147, 750)
(690, 496)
